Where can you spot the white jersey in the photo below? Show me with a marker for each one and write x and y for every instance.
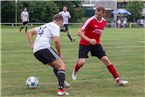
(65, 16)
(45, 34)
(25, 16)
(141, 21)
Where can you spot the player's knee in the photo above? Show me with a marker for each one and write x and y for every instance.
(61, 67)
(81, 62)
(105, 60)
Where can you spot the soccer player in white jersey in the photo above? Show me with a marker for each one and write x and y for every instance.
(25, 19)
(66, 15)
(45, 53)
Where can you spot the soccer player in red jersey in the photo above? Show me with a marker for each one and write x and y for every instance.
(90, 34)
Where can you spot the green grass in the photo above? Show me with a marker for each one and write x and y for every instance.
(124, 47)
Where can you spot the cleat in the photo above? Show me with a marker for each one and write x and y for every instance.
(73, 40)
(66, 85)
(122, 82)
(74, 75)
(62, 92)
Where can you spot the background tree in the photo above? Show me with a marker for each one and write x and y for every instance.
(7, 11)
(40, 11)
(135, 8)
(49, 10)
(74, 7)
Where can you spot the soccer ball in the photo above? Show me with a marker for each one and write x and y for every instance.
(32, 82)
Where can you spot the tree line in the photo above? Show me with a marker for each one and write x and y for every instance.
(39, 11)
(43, 11)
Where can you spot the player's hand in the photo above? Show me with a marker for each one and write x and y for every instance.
(92, 41)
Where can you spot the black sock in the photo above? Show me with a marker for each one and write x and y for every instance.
(61, 78)
(69, 37)
(55, 71)
(21, 28)
(25, 29)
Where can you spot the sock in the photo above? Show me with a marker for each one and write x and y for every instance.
(26, 29)
(55, 71)
(21, 28)
(77, 67)
(117, 79)
(114, 72)
(61, 79)
(69, 36)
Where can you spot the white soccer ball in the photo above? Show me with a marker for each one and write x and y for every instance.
(32, 82)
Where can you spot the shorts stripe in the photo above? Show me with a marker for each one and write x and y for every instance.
(54, 53)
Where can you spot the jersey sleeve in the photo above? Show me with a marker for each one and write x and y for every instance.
(21, 14)
(28, 16)
(69, 14)
(104, 25)
(86, 24)
(60, 13)
(37, 29)
(55, 31)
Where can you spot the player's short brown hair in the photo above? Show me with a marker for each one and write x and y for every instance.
(64, 6)
(58, 17)
(100, 8)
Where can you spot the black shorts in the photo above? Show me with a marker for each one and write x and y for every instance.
(46, 55)
(95, 50)
(66, 27)
(25, 22)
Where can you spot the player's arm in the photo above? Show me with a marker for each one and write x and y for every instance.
(28, 17)
(69, 16)
(57, 45)
(30, 34)
(21, 17)
(80, 33)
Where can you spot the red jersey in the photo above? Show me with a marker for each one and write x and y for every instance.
(93, 30)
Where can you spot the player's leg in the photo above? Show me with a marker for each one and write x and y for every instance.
(26, 26)
(100, 53)
(21, 27)
(66, 84)
(83, 54)
(110, 67)
(76, 68)
(50, 57)
(113, 71)
(60, 66)
(68, 33)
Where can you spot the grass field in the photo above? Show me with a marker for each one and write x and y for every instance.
(124, 47)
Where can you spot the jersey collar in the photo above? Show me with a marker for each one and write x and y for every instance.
(98, 20)
(64, 11)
